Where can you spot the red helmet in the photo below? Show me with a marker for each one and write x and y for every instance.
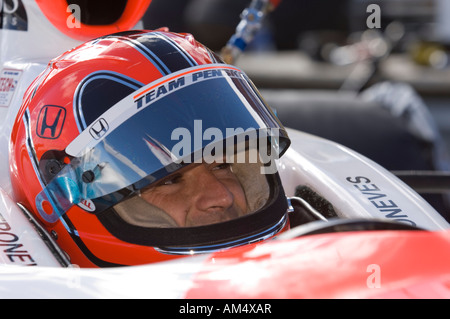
(84, 20)
(111, 118)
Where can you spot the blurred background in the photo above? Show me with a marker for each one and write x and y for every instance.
(306, 44)
(379, 84)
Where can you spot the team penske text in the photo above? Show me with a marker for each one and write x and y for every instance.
(150, 94)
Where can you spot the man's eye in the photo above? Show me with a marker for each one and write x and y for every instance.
(171, 180)
(221, 166)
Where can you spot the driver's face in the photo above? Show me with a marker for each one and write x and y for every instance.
(205, 194)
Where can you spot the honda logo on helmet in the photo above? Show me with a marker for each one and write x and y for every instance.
(50, 121)
(99, 128)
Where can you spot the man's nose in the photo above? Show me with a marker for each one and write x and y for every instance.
(211, 194)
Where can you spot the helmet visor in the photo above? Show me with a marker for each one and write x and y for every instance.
(198, 114)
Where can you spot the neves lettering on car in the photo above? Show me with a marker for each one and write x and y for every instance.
(379, 199)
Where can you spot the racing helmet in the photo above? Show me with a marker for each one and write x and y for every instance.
(115, 116)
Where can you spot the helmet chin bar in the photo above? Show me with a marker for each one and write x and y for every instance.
(261, 236)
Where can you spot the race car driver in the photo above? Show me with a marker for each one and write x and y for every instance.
(143, 146)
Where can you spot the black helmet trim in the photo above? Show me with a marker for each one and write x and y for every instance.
(157, 47)
(98, 92)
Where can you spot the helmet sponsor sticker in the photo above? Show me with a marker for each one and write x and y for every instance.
(87, 205)
(50, 121)
(9, 80)
(99, 128)
(156, 91)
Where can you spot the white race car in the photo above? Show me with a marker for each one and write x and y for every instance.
(367, 234)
